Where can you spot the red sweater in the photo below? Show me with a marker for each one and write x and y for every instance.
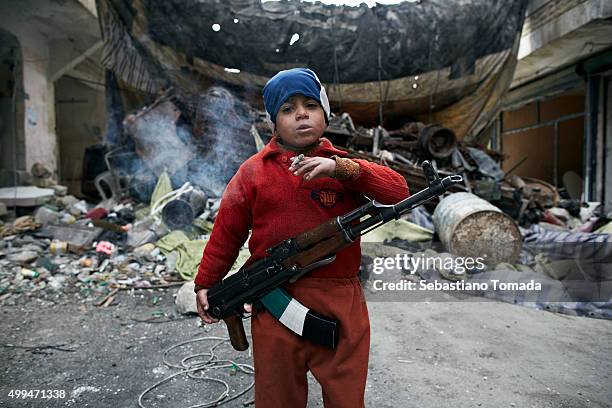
(265, 197)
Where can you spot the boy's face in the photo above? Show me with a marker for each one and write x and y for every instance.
(300, 121)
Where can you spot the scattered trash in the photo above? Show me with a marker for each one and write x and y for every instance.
(86, 388)
(19, 225)
(150, 229)
(60, 191)
(399, 229)
(147, 251)
(58, 247)
(78, 208)
(78, 237)
(28, 273)
(88, 262)
(189, 253)
(105, 248)
(23, 257)
(47, 263)
(139, 238)
(185, 300)
(96, 213)
(54, 251)
(44, 215)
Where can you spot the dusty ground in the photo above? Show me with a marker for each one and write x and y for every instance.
(423, 355)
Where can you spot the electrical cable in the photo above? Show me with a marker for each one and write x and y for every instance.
(336, 72)
(14, 129)
(212, 363)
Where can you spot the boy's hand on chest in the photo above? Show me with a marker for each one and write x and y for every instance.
(313, 167)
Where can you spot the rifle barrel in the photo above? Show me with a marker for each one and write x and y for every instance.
(387, 213)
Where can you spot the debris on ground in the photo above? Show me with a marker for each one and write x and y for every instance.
(70, 247)
(152, 224)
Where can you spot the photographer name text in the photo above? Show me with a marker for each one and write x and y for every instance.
(412, 264)
(436, 285)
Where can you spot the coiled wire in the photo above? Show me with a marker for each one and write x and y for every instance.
(212, 363)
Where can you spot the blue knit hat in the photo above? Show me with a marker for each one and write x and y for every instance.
(291, 82)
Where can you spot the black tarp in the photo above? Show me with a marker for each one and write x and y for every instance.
(456, 47)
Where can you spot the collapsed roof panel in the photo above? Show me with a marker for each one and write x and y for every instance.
(432, 53)
(414, 38)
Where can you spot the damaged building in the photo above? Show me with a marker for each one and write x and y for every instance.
(122, 109)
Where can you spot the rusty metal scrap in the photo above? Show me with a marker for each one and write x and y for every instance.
(412, 173)
(219, 126)
(79, 238)
(404, 148)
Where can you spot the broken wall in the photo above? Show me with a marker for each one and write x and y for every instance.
(81, 119)
(12, 153)
(550, 133)
(40, 142)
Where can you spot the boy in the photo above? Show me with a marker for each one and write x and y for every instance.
(277, 199)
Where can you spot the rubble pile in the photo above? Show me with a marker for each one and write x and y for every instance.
(405, 149)
(527, 200)
(68, 246)
(158, 205)
(219, 131)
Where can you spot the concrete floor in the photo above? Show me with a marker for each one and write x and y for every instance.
(459, 354)
(487, 354)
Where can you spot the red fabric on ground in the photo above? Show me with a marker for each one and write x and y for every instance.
(96, 213)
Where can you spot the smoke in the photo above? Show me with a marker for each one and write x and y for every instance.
(206, 149)
(157, 139)
(223, 124)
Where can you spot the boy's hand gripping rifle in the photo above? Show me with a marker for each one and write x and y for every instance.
(290, 259)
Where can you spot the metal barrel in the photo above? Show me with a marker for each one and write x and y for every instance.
(178, 214)
(437, 141)
(469, 226)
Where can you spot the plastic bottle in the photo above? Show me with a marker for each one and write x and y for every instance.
(28, 273)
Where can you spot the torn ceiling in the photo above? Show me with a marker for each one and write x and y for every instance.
(432, 55)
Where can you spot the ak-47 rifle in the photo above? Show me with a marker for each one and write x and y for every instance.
(290, 259)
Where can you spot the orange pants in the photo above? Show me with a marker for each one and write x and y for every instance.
(282, 358)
